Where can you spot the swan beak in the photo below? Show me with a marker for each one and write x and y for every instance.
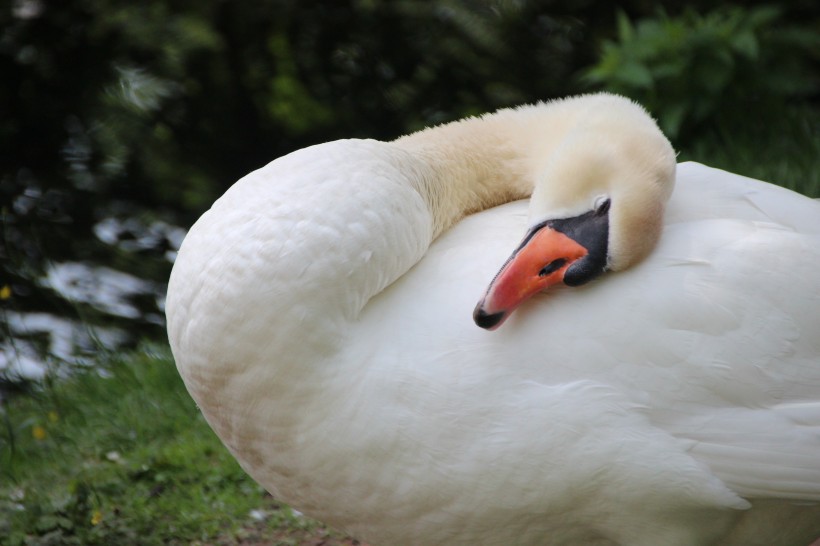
(540, 262)
(572, 251)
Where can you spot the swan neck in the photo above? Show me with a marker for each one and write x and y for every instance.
(470, 165)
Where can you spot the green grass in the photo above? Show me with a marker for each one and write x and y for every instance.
(119, 454)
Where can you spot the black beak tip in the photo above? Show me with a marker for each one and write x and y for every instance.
(485, 320)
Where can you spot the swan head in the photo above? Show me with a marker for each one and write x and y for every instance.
(597, 206)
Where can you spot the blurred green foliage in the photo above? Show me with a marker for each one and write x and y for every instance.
(150, 110)
(733, 87)
(711, 72)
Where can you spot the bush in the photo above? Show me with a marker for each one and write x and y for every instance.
(732, 88)
(713, 72)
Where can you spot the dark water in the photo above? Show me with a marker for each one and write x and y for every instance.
(91, 306)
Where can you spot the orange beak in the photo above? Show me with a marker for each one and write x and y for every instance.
(540, 262)
(570, 250)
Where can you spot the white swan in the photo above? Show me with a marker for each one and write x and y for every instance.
(674, 401)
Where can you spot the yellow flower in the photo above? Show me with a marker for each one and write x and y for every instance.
(53, 416)
(96, 517)
(5, 292)
(38, 432)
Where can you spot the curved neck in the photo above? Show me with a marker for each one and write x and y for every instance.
(311, 237)
(478, 163)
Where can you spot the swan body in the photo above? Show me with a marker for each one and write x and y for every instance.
(320, 315)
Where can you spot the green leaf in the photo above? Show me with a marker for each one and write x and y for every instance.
(625, 29)
(671, 119)
(762, 16)
(746, 44)
(636, 75)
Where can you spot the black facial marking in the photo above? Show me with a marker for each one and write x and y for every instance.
(591, 230)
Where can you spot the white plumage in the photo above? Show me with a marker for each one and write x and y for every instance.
(673, 401)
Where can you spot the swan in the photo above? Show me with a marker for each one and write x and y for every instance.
(658, 382)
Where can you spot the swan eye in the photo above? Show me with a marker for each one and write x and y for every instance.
(602, 206)
(552, 267)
